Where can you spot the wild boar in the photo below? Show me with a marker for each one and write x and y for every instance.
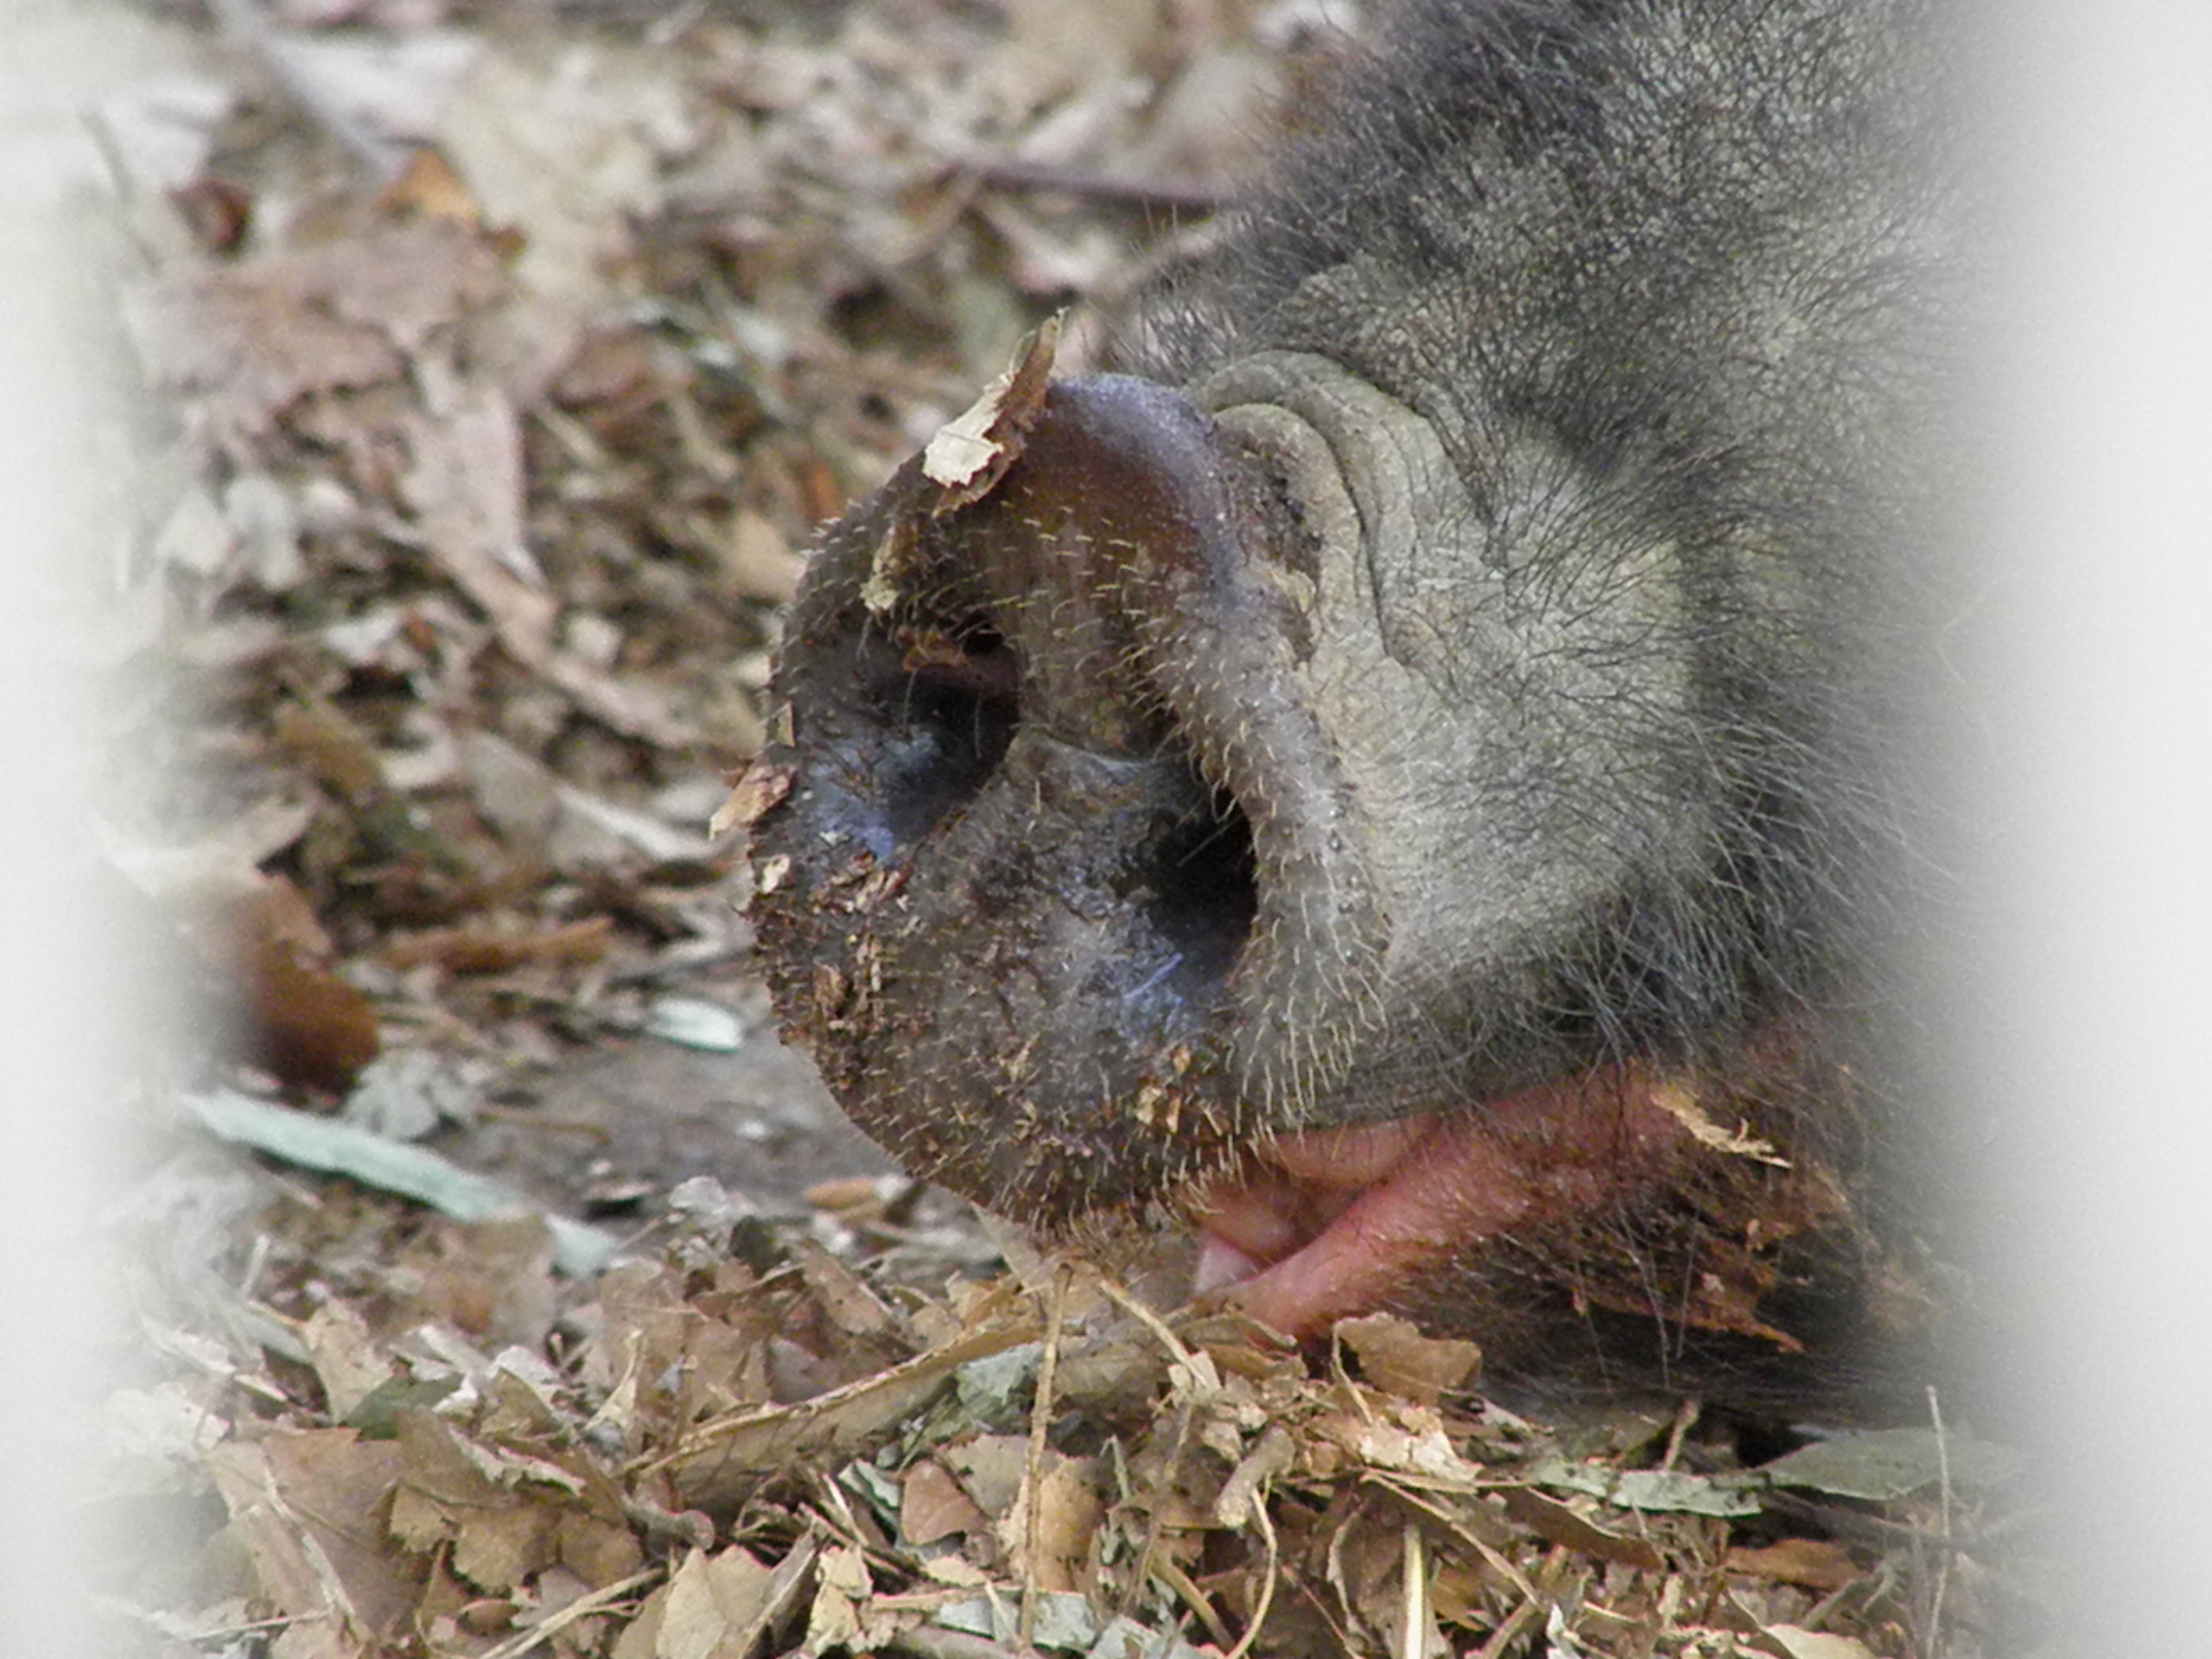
(1405, 779)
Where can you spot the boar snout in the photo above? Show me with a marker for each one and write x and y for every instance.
(1051, 829)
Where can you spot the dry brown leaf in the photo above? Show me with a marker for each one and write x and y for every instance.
(305, 1503)
(714, 1464)
(1549, 1518)
(598, 1550)
(464, 485)
(842, 1587)
(1681, 1102)
(301, 1021)
(497, 1548)
(440, 1483)
(408, 278)
(971, 452)
(1055, 1552)
(761, 787)
(931, 1505)
(714, 1603)
(516, 794)
(1401, 1440)
(332, 745)
(842, 1294)
(240, 340)
(505, 1515)
(991, 1468)
(346, 1357)
(1396, 1356)
(427, 184)
(1816, 1563)
(851, 1198)
(251, 339)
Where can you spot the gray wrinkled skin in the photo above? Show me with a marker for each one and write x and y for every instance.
(1464, 655)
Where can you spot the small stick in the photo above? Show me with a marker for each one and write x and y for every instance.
(1040, 1423)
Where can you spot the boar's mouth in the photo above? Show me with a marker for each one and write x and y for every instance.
(1315, 1226)
(1613, 1200)
(1049, 873)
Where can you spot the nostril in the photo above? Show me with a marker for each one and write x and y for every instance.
(1202, 890)
(947, 702)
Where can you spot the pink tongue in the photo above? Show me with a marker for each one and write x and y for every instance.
(1331, 1220)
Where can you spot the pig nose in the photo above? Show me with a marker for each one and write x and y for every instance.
(997, 838)
(1007, 691)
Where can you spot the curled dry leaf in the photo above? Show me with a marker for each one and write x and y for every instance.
(761, 787)
(971, 452)
(302, 1022)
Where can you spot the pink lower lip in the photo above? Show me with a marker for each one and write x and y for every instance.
(1329, 1223)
